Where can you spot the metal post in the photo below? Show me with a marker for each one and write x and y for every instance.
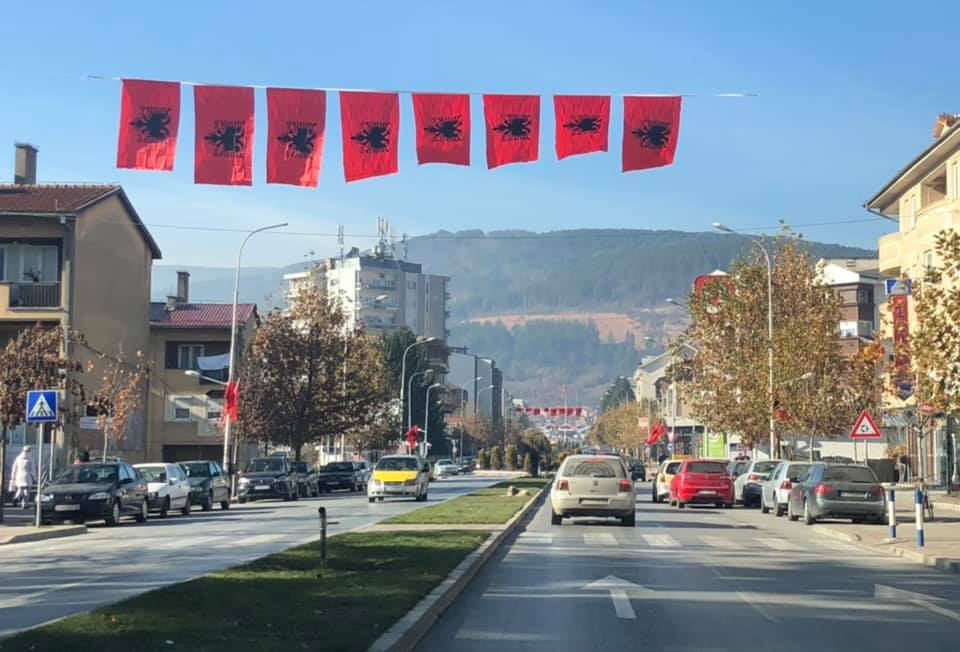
(892, 511)
(323, 536)
(39, 468)
(918, 508)
(426, 420)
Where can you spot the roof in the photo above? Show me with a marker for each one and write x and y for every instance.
(199, 315)
(66, 199)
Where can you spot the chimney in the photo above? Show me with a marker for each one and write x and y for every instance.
(183, 287)
(171, 303)
(25, 164)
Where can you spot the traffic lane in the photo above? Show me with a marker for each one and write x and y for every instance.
(699, 581)
(58, 577)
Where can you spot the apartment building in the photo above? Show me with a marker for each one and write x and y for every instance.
(860, 288)
(75, 257)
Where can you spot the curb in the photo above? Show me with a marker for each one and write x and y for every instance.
(404, 635)
(44, 533)
(950, 507)
(933, 561)
(836, 534)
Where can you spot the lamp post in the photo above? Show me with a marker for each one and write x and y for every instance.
(766, 256)
(233, 336)
(197, 374)
(428, 372)
(463, 409)
(476, 391)
(426, 418)
(403, 370)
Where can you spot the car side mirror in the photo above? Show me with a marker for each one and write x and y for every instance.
(172, 482)
(126, 481)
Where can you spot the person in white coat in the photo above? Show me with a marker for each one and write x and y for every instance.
(22, 476)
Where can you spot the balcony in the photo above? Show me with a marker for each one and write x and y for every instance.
(889, 254)
(32, 295)
(381, 284)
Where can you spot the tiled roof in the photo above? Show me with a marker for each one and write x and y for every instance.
(65, 199)
(199, 315)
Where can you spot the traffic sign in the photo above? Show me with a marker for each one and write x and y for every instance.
(865, 428)
(898, 286)
(42, 406)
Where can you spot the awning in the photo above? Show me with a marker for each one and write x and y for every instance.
(895, 420)
(213, 362)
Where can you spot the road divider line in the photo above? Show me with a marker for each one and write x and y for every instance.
(660, 541)
(259, 538)
(778, 544)
(719, 542)
(599, 539)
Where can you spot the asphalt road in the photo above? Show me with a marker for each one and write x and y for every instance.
(697, 579)
(50, 579)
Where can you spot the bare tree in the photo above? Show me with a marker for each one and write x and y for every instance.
(120, 394)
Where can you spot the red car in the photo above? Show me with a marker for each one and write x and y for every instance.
(703, 482)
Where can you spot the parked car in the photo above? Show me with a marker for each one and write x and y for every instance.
(363, 471)
(338, 475)
(702, 482)
(593, 485)
(775, 492)
(209, 484)
(306, 476)
(400, 475)
(94, 491)
(167, 488)
(467, 465)
(838, 491)
(268, 477)
(661, 481)
(748, 484)
(446, 467)
(638, 471)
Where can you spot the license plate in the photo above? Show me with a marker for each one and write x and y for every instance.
(593, 501)
(851, 494)
(262, 487)
(66, 508)
(708, 492)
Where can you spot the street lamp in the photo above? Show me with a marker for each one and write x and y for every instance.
(677, 302)
(403, 368)
(233, 336)
(463, 409)
(426, 417)
(766, 256)
(476, 391)
(428, 372)
(197, 374)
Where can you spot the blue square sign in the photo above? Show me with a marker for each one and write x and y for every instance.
(42, 406)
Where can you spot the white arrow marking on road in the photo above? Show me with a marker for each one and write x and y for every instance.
(883, 592)
(618, 593)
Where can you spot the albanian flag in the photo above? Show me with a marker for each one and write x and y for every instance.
(513, 128)
(582, 123)
(231, 401)
(149, 121)
(371, 128)
(295, 126)
(443, 128)
(224, 135)
(651, 127)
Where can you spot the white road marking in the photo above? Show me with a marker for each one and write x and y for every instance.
(254, 540)
(538, 538)
(185, 544)
(599, 539)
(778, 544)
(719, 542)
(660, 541)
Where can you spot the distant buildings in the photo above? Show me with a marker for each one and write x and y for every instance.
(859, 287)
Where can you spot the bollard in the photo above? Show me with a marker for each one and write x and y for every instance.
(919, 512)
(323, 536)
(892, 511)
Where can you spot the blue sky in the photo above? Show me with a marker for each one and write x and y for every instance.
(848, 93)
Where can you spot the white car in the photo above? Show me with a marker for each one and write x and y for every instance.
(775, 492)
(167, 488)
(446, 467)
(593, 485)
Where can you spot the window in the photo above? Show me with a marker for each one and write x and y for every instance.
(187, 355)
(3, 275)
(928, 259)
(180, 408)
(863, 296)
(214, 408)
(955, 180)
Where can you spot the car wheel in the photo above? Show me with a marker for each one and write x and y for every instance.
(763, 506)
(808, 518)
(371, 500)
(380, 499)
(654, 497)
(165, 508)
(681, 504)
(185, 510)
(728, 505)
(555, 519)
(790, 515)
(296, 493)
(629, 521)
(114, 517)
(243, 501)
(225, 504)
(144, 510)
(778, 510)
(207, 503)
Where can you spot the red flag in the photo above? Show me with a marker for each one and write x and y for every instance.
(443, 128)
(371, 126)
(231, 401)
(149, 122)
(224, 135)
(513, 128)
(553, 411)
(536, 412)
(295, 129)
(578, 411)
(655, 434)
(582, 123)
(651, 127)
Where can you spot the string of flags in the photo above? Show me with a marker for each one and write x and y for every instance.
(370, 130)
(552, 411)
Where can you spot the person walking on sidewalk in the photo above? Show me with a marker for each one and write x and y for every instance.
(22, 476)
(904, 468)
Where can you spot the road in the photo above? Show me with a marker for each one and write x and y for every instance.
(697, 579)
(51, 579)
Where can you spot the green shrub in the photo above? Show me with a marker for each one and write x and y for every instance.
(510, 457)
(483, 459)
(528, 466)
(496, 459)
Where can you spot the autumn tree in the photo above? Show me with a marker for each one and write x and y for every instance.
(120, 394)
(623, 427)
(618, 393)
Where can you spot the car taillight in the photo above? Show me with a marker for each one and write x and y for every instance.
(877, 491)
(754, 477)
(823, 489)
(786, 485)
(563, 485)
(625, 485)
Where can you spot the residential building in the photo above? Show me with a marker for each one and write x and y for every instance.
(76, 257)
(860, 289)
(185, 411)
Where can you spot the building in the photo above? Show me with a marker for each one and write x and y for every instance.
(860, 289)
(921, 200)
(76, 257)
(185, 410)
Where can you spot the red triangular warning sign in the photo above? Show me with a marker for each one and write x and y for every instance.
(865, 427)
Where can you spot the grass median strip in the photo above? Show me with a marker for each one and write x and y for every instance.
(491, 505)
(280, 602)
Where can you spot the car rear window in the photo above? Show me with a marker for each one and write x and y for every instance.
(850, 474)
(595, 469)
(672, 467)
(706, 467)
(397, 464)
(339, 466)
(797, 471)
(764, 467)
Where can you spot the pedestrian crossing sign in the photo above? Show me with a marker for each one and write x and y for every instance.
(865, 428)
(42, 406)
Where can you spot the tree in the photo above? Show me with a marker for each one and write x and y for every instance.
(33, 359)
(535, 446)
(305, 376)
(619, 392)
(496, 459)
(622, 427)
(120, 394)
(510, 457)
(483, 459)
(528, 466)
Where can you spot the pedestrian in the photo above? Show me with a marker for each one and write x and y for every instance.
(22, 476)
(904, 468)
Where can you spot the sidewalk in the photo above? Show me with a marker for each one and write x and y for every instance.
(942, 537)
(18, 527)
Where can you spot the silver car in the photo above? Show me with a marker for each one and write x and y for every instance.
(593, 485)
(775, 493)
(746, 488)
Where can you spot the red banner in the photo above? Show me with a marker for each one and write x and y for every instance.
(231, 401)
(149, 122)
(371, 128)
(651, 127)
(295, 130)
(899, 304)
(582, 124)
(656, 432)
(513, 128)
(443, 128)
(223, 151)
